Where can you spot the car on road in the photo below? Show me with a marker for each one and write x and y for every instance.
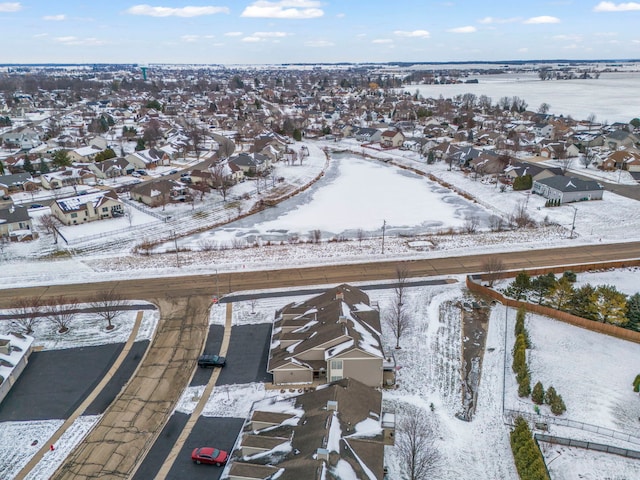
(136, 174)
(36, 205)
(211, 361)
(142, 172)
(209, 455)
(171, 172)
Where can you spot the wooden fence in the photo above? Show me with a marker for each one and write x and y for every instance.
(474, 283)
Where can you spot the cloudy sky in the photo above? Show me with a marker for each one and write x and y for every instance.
(282, 31)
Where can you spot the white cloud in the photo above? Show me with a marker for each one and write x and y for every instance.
(40, 35)
(414, 33)
(319, 43)
(572, 38)
(340, 15)
(54, 18)
(382, 40)
(175, 12)
(361, 35)
(233, 34)
(10, 7)
(86, 42)
(264, 36)
(467, 29)
(620, 7)
(488, 20)
(289, 9)
(542, 19)
(190, 38)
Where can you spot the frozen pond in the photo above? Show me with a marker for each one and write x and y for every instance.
(612, 97)
(355, 194)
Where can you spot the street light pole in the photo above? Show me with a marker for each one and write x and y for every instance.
(384, 226)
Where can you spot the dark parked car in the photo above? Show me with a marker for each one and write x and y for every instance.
(36, 205)
(211, 361)
(209, 455)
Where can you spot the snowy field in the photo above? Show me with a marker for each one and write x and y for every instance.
(607, 97)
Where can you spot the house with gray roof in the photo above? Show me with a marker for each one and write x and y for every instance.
(621, 138)
(331, 336)
(568, 189)
(14, 182)
(87, 208)
(15, 223)
(332, 433)
(250, 163)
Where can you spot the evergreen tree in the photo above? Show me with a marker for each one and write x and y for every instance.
(297, 135)
(537, 394)
(28, 166)
(583, 302)
(524, 386)
(140, 145)
(60, 158)
(636, 383)
(611, 305)
(633, 311)
(431, 158)
(550, 395)
(542, 286)
(557, 405)
(520, 286)
(44, 168)
(561, 294)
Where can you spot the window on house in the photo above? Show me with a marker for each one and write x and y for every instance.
(74, 215)
(335, 378)
(105, 209)
(336, 364)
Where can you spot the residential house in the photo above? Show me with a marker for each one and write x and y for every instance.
(568, 189)
(625, 159)
(112, 168)
(15, 223)
(537, 172)
(84, 154)
(68, 176)
(621, 138)
(332, 433)
(15, 182)
(24, 138)
(148, 159)
(488, 163)
(160, 192)
(250, 163)
(392, 139)
(328, 337)
(368, 135)
(87, 208)
(545, 130)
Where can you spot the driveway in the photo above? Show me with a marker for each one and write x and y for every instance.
(247, 355)
(55, 382)
(214, 341)
(219, 432)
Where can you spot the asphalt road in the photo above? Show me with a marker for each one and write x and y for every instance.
(172, 288)
(56, 381)
(212, 347)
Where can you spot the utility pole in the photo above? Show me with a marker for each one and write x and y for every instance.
(384, 226)
(175, 243)
(573, 223)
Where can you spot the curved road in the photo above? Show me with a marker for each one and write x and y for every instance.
(114, 448)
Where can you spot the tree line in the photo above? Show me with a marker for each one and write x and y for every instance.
(601, 303)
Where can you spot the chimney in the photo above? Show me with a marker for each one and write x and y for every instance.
(322, 454)
(339, 295)
(332, 405)
(342, 319)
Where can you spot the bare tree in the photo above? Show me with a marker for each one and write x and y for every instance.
(588, 158)
(26, 314)
(48, 223)
(492, 266)
(360, 235)
(397, 318)
(62, 312)
(496, 223)
(316, 236)
(520, 217)
(218, 175)
(471, 224)
(128, 213)
(108, 305)
(415, 443)
(197, 136)
(564, 161)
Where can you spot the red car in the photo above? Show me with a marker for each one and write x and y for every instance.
(209, 455)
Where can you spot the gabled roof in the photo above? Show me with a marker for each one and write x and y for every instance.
(571, 184)
(15, 179)
(78, 203)
(351, 434)
(14, 214)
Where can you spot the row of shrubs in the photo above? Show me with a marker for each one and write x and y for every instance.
(602, 303)
(523, 376)
(526, 454)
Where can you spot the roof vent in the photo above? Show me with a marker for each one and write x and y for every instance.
(322, 454)
(332, 405)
